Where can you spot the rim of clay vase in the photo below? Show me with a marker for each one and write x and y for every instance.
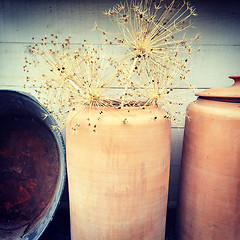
(113, 115)
(118, 107)
(227, 94)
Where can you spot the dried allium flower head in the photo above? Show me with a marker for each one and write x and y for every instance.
(157, 48)
(164, 89)
(47, 72)
(64, 78)
(150, 30)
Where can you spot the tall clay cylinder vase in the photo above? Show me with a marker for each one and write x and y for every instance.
(118, 171)
(209, 199)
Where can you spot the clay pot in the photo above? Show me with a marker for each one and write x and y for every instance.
(209, 194)
(118, 171)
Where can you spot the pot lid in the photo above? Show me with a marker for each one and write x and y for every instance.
(232, 93)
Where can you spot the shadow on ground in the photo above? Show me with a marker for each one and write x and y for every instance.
(59, 228)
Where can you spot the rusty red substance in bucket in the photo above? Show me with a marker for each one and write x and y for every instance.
(27, 184)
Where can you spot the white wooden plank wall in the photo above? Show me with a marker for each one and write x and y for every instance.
(23, 22)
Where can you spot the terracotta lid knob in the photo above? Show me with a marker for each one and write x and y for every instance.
(237, 81)
(229, 93)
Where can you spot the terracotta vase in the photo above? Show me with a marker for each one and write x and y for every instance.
(118, 171)
(209, 194)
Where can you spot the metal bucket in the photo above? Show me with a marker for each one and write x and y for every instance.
(32, 166)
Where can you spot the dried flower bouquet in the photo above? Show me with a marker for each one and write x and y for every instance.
(153, 63)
